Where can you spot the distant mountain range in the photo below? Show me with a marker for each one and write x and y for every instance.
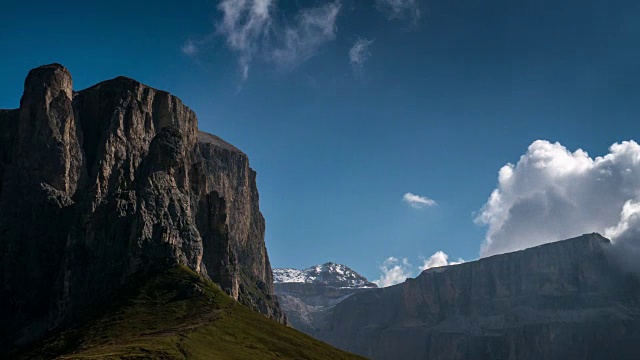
(306, 295)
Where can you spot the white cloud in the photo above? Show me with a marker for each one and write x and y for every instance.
(245, 23)
(189, 48)
(626, 235)
(359, 52)
(438, 259)
(553, 194)
(629, 217)
(417, 201)
(400, 9)
(313, 28)
(255, 29)
(394, 271)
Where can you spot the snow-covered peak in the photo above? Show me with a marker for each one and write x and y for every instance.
(332, 274)
(286, 275)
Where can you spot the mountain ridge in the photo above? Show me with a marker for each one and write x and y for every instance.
(565, 299)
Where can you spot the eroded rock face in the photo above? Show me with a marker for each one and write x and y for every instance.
(99, 184)
(562, 300)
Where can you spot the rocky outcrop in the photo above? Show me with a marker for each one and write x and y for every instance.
(306, 295)
(563, 300)
(102, 183)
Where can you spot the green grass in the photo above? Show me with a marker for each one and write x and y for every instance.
(178, 315)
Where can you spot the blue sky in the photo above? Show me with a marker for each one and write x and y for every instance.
(441, 96)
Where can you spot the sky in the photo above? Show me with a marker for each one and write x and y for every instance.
(388, 135)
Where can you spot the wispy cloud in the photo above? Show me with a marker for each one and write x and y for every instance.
(400, 9)
(189, 48)
(312, 28)
(255, 29)
(245, 24)
(359, 52)
(259, 31)
(417, 201)
(394, 271)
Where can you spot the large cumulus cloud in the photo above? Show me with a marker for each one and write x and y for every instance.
(552, 193)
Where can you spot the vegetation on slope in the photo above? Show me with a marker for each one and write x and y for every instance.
(176, 314)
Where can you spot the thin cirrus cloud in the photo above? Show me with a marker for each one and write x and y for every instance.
(394, 270)
(400, 9)
(252, 30)
(244, 24)
(189, 48)
(417, 201)
(552, 194)
(312, 28)
(359, 53)
(257, 30)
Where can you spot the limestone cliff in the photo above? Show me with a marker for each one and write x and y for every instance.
(563, 300)
(102, 183)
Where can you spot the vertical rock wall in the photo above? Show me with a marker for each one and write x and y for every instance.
(99, 184)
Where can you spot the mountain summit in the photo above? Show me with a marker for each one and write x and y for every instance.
(306, 295)
(331, 274)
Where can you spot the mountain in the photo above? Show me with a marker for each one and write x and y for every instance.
(562, 300)
(102, 184)
(330, 274)
(176, 314)
(305, 295)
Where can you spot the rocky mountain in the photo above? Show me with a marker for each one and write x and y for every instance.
(305, 295)
(331, 274)
(100, 184)
(563, 300)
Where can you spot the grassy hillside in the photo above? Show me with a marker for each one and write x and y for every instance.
(178, 315)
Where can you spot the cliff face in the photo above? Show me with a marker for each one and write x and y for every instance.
(306, 295)
(563, 300)
(99, 184)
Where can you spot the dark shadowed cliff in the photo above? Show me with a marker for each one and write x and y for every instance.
(562, 300)
(109, 181)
